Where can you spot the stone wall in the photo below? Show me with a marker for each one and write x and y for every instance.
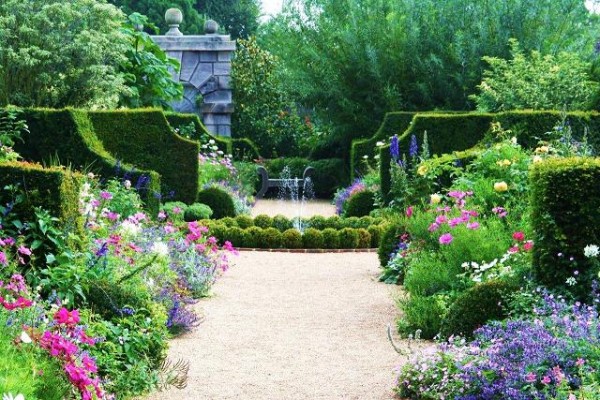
(205, 73)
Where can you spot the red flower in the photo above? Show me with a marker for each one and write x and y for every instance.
(518, 236)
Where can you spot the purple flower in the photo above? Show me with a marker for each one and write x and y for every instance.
(106, 195)
(446, 239)
(395, 148)
(413, 148)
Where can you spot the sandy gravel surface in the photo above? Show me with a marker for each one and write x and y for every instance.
(290, 210)
(293, 326)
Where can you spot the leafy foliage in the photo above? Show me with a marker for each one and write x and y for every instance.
(238, 17)
(147, 69)
(56, 53)
(536, 82)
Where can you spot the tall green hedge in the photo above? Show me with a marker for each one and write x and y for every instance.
(240, 148)
(145, 139)
(393, 123)
(565, 196)
(54, 189)
(67, 137)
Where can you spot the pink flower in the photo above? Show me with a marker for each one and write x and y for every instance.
(24, 250)
(455, 222)
(528, 245)
(530, 377)
(63, 316)
(473, 225)
(500, 212)
(106, 195)
(177, 210)
(3, 259)
(441, 219)
(409, 211)
(546, 380)
(113, 216)
(433, 227)
(518, 236)
(9, 241)
(513, 250)
(162, 215)
(446, 238)
(579, 362)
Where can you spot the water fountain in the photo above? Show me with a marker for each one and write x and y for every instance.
(290, 189)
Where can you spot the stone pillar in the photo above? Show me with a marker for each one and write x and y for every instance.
(205, 72)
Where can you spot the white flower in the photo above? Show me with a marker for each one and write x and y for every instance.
(591, 250)
(9, 396)
(365, 156)
(91, 175)
(129, 228)
(379, 144)
(220, 152)
(571, 281)
(127, 184)
(25, 338)
(211, 141)
(160, 249)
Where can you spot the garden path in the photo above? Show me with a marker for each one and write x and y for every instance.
(285, 326)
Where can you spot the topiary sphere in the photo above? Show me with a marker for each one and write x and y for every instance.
(244, 221)
(351, 222)
(366, 222)
(318, 222)
(282, 223)
(360, 204)
(475, 307)
(312, 239)
(364, 238)
(197, 212)
(349, 238)
(263, 221)
(252, 238)
(228, 221)
(270, 238)
(236, 236)
(331, 238)
(219, 201)
(292, 239)
(375, 231)
(334, 222)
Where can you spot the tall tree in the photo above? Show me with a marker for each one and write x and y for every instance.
(238, 17)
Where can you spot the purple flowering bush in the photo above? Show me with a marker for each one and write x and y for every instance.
(553, 355)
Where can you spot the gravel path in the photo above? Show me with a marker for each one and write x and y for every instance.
(290, 210)
(292, 326)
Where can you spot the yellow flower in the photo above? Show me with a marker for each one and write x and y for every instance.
(422, 170)
(503, 163)
(537, 159)
(435, 198)
(500, 186)
(542, 149)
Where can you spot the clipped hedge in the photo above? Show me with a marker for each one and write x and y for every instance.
(282, 223)
(219, 201)
(67, 137)
(360, 204)
(565, 197)
(393, 123)
(240, 148)
(145, 139)
(55, 189)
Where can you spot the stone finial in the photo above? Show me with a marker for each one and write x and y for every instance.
(174, 17)
(211, 27)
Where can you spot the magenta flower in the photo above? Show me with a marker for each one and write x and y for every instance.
(409, 211)
(546, 380)
(24, 250)
(500, 211)
(66, 317)
(528, 245)
(473, 225)
(3, 259)
(433, 227)
(446, 239)
(518, 236)
(530, 377)
(106, 195)
(579, 362)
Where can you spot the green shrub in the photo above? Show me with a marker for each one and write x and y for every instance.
(565, 202)
(312, 239)
(219, 201)
(197, 211)
(67, 136)
(244, 221)
(364, 238)
(295, 165)
(475, 307)
(330, 238)
(375, 231)
(360, 204)
(236, 236)
(348, 238)
(366, 222)
(175, 210)
(105, 298)
(350, 222)
(219, 231)
(292, 239)
(270, 238)
(54, 189)
(144, 138)
(263, 221)
(393, 123)
(422, 313)
(282, 223)
(318, 222)
(252, 240)
(229, 222)
(389, 241)
(334, 222)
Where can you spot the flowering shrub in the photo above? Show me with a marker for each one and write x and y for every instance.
(554, 355)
